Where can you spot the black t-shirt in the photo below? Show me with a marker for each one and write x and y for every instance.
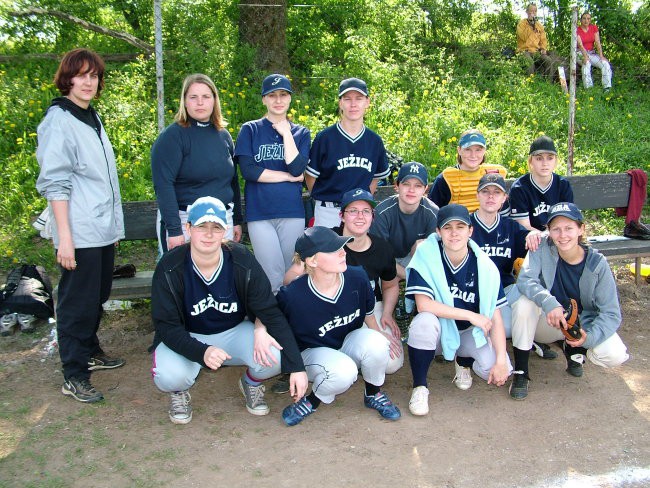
(566, 284)
(378, 261)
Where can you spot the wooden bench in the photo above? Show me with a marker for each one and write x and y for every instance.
(590, 192)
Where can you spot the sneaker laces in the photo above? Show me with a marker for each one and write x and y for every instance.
(86, 385)
(463, 375)
(179, 401)
(255, 393)
(381, 399)
(419, 395)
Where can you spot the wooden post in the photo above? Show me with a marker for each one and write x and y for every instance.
(572, 89)
(160, 85)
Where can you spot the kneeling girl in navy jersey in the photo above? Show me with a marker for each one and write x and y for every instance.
(212, 305)
(326, 309)
(458, 294)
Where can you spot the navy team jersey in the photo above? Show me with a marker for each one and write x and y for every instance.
(211, 304)
(528, 199)
(340, 162)
(320, 321)
(463, 285)
(259, 147)
(566, 284)
(504, 242)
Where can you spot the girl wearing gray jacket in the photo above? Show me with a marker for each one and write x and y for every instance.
(565, 268)
(78, 178)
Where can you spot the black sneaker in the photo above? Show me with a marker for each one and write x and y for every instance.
(81, 390)
(102, 361)
(519, 386)
(281, 385)
(544, 351)
(574, 365)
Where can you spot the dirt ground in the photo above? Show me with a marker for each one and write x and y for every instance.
(592, 432)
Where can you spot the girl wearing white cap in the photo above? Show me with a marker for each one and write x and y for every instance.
(565, 268)
(326, 309)
(212, 306)
(272, 153)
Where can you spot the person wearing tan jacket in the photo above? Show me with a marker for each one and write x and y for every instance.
(532, 43)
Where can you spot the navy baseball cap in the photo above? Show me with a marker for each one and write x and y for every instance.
(565, 209)
(542, 144)
(413, 169)
(353, 84)
(319, 239)
(274, 83)
(207, 209)
(492, 179)
(451, 212)
(356, 195)
(472, 139)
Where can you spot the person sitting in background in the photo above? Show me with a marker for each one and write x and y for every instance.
(588, 38)
(533, 45)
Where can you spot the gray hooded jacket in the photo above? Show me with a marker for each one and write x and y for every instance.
(601, 311)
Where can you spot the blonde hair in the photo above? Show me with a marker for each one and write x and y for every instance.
(182, 118)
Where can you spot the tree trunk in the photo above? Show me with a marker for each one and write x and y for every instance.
(263, 24)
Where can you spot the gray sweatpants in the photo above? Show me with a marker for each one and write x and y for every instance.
(274, 243)
(333, 371)
(174, 372)
(424, 333)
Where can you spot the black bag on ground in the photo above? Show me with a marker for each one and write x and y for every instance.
(28, 290)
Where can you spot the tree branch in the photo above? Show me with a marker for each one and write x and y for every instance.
(124, 36)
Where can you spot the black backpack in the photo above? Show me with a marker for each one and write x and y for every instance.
(28, 290)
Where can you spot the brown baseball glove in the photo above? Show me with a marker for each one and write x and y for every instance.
(572, 332)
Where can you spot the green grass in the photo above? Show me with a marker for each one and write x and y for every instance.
(446, 93)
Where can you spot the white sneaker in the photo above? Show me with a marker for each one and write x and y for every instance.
(419, 403)
(180, 408)
(463, 378)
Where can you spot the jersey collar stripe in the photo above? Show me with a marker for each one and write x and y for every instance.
(348, 136)
(455, 269)
(315, 291)
(215, 275)
(539, 188)
(485, 227)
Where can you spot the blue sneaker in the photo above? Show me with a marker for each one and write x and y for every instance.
(383, 405)
(294, 413)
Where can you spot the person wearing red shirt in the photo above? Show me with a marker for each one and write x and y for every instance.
(588, 39)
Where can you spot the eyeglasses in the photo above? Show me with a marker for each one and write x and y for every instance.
(366, 212)
(207, 227)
